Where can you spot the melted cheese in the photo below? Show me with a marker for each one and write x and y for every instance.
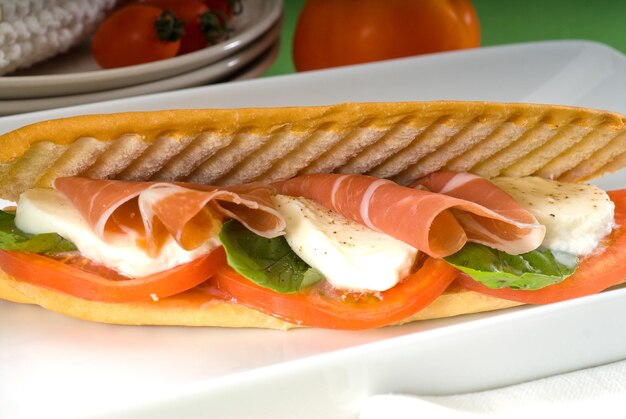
(349, 255)
(577, 216)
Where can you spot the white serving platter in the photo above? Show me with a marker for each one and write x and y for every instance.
(53, 366)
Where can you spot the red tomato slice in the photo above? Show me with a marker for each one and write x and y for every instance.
(49, 273)
(323, 306)
(594, 274)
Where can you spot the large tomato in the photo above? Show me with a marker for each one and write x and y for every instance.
(332, 33)
(324, 306)
(595, 273)
(100, 284)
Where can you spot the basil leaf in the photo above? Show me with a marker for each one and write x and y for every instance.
(269, 263)
(528, 271)
(12, 238)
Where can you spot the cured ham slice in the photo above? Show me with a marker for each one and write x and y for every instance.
(459, 208)
(150, 211)
(473, 188)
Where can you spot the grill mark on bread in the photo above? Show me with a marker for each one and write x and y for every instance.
(75, 159)
(535, 137)
(467, 134)
(311, 145)
(197, 151)
(395, 139)
(117, 157)
(154, 157)
(227, 158)
(261, 160)
(577, 153)
(407, 168)
(418, 146)
(352, 144)
(507, 132)
(594, 164)
(616, 164)
(27, 170)
(567, 137)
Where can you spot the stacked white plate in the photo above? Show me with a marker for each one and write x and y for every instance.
(75, 78)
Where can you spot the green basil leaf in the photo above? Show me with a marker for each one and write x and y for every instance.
(528, 271)
(12, 238)
(269, 263)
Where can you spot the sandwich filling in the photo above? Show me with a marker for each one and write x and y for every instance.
(355, 234)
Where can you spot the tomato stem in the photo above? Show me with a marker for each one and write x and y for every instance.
(214, 27)
(235, 6)
(168, 27)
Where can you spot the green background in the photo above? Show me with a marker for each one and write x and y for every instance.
(509, 21)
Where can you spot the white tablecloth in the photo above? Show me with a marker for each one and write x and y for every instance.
(598, 392)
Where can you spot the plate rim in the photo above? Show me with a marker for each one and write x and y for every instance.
(231, 64)
(188, 61)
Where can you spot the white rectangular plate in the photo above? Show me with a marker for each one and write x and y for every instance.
(51, 365)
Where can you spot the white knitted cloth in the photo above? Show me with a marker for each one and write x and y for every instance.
(34, 30)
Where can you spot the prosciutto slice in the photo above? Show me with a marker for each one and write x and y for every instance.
(150, 211)
(437, 217)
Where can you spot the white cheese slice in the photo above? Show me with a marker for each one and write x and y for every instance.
(349, 255)
(577, 216)
(48, 211)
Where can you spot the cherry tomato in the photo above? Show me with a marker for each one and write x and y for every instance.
(332, 33)
(100, 285)
(190, 12)
(323, 306)
(595, 273)
(136, 34)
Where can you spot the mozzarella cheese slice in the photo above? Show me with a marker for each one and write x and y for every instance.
(577, 216)
(48, 211)
(349, 255)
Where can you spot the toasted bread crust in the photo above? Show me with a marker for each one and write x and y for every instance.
(401, 141)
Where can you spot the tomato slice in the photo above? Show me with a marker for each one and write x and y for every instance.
(595, 273)
(324, 306)
(49, 273)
